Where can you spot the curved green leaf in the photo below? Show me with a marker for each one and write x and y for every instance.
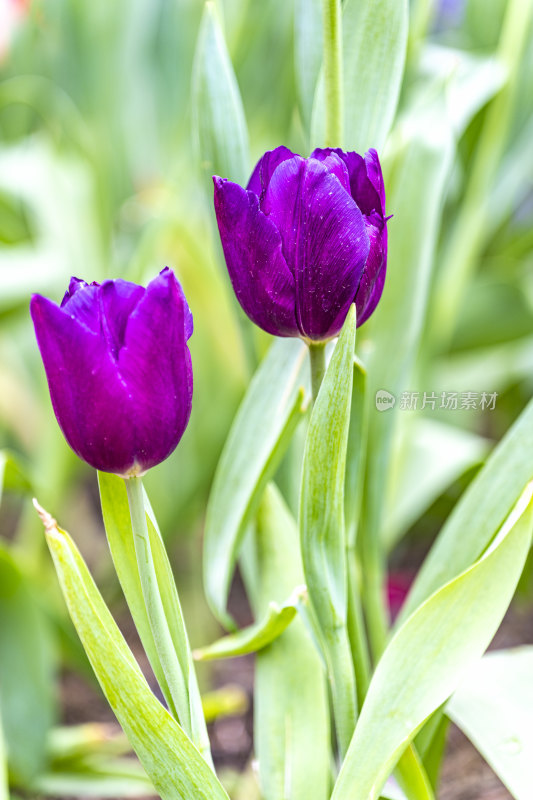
(291, 725)
(174, 765)
(415, 194)
(447, 633)
(471, 80)
(261, 431)
(218, 112)
(307, 54)
(375, 44)
(255, 637)
(117, 521)
(493, 706)
(98, 777)
(322, 527)
(479, 513)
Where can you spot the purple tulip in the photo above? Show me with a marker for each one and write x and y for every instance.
(305, 240)
(119, 369)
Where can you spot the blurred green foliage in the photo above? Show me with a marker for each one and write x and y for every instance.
(101, 175)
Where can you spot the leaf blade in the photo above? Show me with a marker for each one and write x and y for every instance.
(488, 500)
(218, 112)
(168, 756)
(261, 431)
(322, 525)
(117, 522)
(253, 638)
(374, 50)
(493, 706)
(291, 727)
(404, 693)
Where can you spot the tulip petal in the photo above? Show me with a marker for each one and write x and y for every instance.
(375, 175)
(324, 236)
(265, 167)
(89, 399)
(117, 300)
(80, 302)
(364, 175)
(155, 365)
(334, 164)
(373, 279)
(262, 281)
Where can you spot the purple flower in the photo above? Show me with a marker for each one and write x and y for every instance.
(119, 369)
(305, 240)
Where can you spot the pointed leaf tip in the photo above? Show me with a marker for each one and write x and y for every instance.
(50, 524)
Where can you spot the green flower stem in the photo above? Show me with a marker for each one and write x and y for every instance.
(338, 656)
(372, 555)
(333, 79)
(317, 360)
(356, 629)
(374, 601)
(322, 524)
(177, 683)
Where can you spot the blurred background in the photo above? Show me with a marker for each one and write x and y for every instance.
(108, 140)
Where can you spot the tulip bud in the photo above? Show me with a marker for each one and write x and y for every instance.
(119, 369)
(305, 240)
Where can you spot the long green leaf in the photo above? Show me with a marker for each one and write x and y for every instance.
(493, 706)
(218, 112)
(175, 767)
(468, 235)
(292, 730)
(99, 777)
(374, 48)
(354, 483)
(117, 523)
(322, 526)
(355, 453)
(307, 54)
(447, 633)
(470, 80)
(415, 195)
(255, 637)
(375, 43)
(479, 513)
(263, 427)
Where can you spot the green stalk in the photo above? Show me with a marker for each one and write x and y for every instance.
(166, 651)
(323, 536)
(373, 565)
(338, 655)
(354, 482)
(317, 362)
(371, 550)
(333, 78)
(356, 629)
